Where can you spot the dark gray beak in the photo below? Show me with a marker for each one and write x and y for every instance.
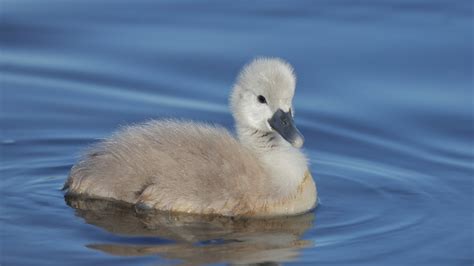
(283, 123)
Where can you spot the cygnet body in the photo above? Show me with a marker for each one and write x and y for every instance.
(190, 167)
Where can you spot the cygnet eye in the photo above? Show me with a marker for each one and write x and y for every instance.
(261, 99)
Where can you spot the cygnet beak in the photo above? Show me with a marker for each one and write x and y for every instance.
(283, 123)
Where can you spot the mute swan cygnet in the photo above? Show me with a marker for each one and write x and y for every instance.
(199, 168)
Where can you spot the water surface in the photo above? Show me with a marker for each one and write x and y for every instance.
(384, 99)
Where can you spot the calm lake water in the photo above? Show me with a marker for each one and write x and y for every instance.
(384, 99)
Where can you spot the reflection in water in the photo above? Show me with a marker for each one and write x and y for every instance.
(197, 239)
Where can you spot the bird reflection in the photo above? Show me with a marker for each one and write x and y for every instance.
(197, 239)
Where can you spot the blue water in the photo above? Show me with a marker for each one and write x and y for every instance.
(384, 99)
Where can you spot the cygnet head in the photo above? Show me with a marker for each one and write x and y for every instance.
(262, 99)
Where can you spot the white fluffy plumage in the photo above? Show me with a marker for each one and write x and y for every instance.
(198, 168)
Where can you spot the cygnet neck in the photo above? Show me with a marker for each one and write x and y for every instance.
(285, 165)
(259, 141)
